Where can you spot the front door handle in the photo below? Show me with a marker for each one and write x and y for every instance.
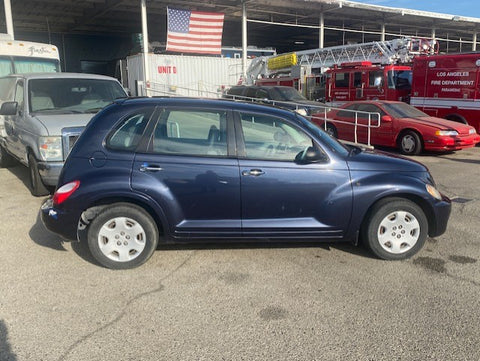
(150, 168)
(253, 172)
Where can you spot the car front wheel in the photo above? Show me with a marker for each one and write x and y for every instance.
(410, 143)
(395, 229)
(38, 189)
(122, 236)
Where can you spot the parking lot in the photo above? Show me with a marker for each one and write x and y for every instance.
(271, 301)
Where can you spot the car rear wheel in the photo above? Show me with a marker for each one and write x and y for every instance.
(331, 130)
(410, 143)
(122, 236)
(396, 229)
(37, 188)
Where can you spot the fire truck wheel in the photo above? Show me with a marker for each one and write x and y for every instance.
(331, 130)
(410, 143)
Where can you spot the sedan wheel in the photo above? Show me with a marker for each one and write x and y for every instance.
(122, 236)
(396, 229)
(410, 143)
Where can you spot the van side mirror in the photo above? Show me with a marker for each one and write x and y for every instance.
(387, 119)
(9, 108)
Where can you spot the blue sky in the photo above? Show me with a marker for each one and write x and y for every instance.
(454, 7)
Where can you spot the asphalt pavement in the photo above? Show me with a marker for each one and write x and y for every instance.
(272, 301)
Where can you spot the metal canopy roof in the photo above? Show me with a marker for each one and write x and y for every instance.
(345, 21)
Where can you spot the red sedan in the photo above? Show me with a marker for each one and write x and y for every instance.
(399, 125)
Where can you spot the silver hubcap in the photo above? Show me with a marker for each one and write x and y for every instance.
(408, 143)
(398, 232)
(121, 239)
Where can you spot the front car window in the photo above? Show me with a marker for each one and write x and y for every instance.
(191, 132)
(271, 138)
(375, 79)
(70, 95)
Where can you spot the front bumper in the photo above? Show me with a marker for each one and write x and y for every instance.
(452, 143)
(441, 210)
(60, 222)
(49, 172)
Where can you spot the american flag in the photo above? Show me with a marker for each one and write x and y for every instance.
(194, 31)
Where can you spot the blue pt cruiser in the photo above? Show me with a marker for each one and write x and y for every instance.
(152, 170)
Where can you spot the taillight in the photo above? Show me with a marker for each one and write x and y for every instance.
(65, 191)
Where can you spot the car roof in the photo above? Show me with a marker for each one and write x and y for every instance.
(53, 75)
(373, 102)
(204, 102)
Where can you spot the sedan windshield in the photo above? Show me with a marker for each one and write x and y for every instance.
(403, 110)
(72, 95)
(285, 93)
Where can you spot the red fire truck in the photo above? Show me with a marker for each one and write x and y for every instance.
(448, 86)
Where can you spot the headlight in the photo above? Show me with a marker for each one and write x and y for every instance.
(433, 192)
(446, 132)
(301, 111)
(50, 148)
(472, 131)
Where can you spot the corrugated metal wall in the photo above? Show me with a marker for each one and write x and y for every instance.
(201, 76)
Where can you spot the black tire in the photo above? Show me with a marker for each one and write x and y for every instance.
(395, 229)
(6, 160)
(410, 143)
(122, 230)
(37, 188)
(332, 130)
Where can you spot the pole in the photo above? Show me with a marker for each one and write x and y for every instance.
(382, 36)
(474, 43)
(8, 18)
(146, 72)
(322, 31)
(244, 41)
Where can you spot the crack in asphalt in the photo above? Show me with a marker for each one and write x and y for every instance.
(123, 312)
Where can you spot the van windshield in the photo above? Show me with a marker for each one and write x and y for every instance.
(71, 95)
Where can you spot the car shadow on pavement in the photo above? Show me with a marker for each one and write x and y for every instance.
(43, 237)
(5, 348)
(21, 173)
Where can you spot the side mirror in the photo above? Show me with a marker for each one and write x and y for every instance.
(387, 119)
(310, 155)
(9, 108)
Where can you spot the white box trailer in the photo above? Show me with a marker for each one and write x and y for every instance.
(198, 76)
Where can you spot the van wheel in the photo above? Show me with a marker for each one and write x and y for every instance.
(6, 160)
(332, 130)
(37, 188)
(395, 229)
(122, 236)
(410, 143)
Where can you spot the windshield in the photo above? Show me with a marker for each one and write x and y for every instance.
(403, 110)
(35, 65)
(70, 95)
(333, 144)
(285, 93)
(400, 79)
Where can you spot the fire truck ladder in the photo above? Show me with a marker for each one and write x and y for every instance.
(400, 50)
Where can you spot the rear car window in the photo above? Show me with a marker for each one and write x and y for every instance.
(128, 133)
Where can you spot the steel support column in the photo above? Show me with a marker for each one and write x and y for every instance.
(474, 41)
(321, 34)
(146, 66)
(8, 18)
(382, 35)
(244, 41)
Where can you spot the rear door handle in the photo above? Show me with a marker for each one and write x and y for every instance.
(150, 168)
(253, 172)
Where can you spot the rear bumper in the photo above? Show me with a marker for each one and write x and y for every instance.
(59, 222)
